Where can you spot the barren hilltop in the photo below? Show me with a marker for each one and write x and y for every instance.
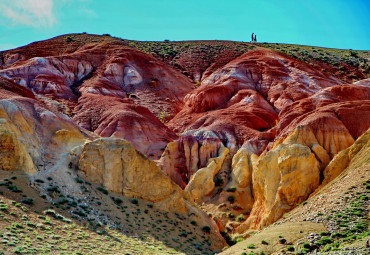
(194, 147)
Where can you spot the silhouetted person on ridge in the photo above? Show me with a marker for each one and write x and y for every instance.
(252, 37)
(255, 38)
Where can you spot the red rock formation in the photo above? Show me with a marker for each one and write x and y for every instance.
(97, 76)
(110, 116)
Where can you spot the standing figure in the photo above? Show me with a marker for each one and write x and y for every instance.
(252, 37)
(255, 38)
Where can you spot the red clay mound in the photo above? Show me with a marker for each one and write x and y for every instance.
(106, 71)
(348, 104)
(10, 89)
(114, 117)
(262, 81)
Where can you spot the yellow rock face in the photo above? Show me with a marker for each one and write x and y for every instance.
(324, 144)
(356, 155)
(13, 154)
(32, 136)
(284, 177)
(118, 166)
(201, 183)
(241, 177)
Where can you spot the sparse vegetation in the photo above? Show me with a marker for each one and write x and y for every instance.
(102, 190)
(251, 246)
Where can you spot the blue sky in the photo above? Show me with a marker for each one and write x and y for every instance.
(327, 23)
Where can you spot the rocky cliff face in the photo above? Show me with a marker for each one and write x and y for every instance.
(253, 134)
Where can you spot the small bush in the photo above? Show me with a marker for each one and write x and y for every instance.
(240, 217)
(117, 200)
(290, 248)
(218, 181)
(14, 188)
(134, 201)
(69, 39)
(206, 229)
(264, 242)
(231, 199)
(304, 251)
(102, 190)
(325, 240)
(306, 245)
(28, 201)
(324, 234)
(231, 189)
(251, 246)
(335, 235)
(78, 180)
(238, 240)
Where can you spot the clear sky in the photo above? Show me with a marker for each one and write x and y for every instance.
(328, 23)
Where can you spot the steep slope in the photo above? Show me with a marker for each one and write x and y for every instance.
(333, 219)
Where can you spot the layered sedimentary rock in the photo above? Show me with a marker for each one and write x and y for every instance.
(32, 136)
(91, 82)
(202, 182)
(283, 178)
(355, 156)
(118, 166)
(307, 137)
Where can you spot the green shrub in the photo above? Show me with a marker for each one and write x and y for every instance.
(28, 201)
(239, 239)
(102, 190)
(117, 200)
(306, 245)
(304, 250)
(78, 180)
(240, 217)
(206, 229)
(264, 242)
(230, 215)
(231, 189)
(134, 201)
(251, 246)
(218, 181)
(231, 199)
(325, 240)
(290, 248)
(338, 235)
(14, 188)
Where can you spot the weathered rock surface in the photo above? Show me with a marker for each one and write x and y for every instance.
(92, 77)
(118, 166)
(202, 182)
(121, 118)
(32, 136)
(353, 157)
(283, 178)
